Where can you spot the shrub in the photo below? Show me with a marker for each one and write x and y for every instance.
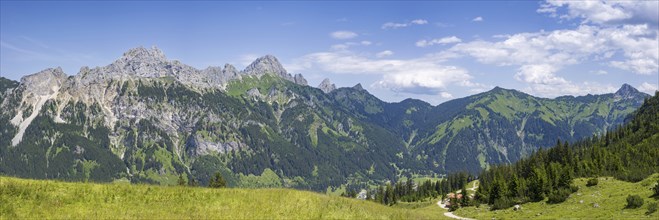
(558, 196)
(655, 189)
(592, 182)
(502, 203)
(574, 188)
(634, 201)
(652, 207)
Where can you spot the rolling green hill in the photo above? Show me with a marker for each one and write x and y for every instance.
(561, 175)
(45, 199)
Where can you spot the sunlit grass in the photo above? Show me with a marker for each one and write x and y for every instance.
(37, 199)
(610, 195)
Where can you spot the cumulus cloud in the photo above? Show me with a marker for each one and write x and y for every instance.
(420, 76)
(347, 45)
(637, 44)
(604, 11)
(539, 74)
(610, 33)
(445, 40)
(343, 35)
(477, 19)
(446, 95)
(569, 88)
(393, 25)
(385, 53)
(648, 88)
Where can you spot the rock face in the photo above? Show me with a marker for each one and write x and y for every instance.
(300, 80)
(627, 92)
(38, 89)
(45, 82)
(326, 86)
(269, 64)
(266, 64)
(358, 87)
(198, 146)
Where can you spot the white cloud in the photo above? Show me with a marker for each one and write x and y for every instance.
(419, 76)
(601, 72)
(477, 19)
(540, 56)
(419, 21)
(385, 53)
(340, 47)
(342, 35)
(445, 40)
(539, 74)
(347, 45)
(604, 11)
(446, 95)
(648, 88)
(637, 44)
(393, 25)
(569, 88)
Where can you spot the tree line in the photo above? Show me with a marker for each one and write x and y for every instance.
(627, 153)
(409, 191)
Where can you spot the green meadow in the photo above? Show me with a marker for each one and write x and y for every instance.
(609, 194)
(39, 199)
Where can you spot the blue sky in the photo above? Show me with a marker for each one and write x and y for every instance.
(434, 51)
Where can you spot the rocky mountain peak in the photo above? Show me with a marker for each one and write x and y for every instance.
(266, 64)
(358, 87)
(146, 55)
(230, 68)
(45, 81)
(627, 90)
(300, 80)
(327, 86)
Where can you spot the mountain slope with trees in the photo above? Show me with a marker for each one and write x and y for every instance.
(147, 119)
(628, 153)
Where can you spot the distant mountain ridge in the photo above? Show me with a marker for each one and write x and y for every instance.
(148, 119)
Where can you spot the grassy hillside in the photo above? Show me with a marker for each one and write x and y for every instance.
(21, 198)
(610, 194)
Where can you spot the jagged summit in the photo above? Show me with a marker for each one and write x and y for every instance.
(43, 82)
(358, 87)
(327, 86)
(626, 90)
(266, 64)
(142, 54)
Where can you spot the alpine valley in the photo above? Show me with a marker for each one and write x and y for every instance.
(148, 119)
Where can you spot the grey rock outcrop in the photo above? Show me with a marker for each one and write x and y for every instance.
(266, 64)
(199, 146)
(254, 92)
(327, 86)
(358, 87)
(45, 82)
(300, 80)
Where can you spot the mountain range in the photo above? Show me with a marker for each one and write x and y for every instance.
(145, 118)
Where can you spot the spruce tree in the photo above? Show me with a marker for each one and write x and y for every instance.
(181, 181)
(217, 181)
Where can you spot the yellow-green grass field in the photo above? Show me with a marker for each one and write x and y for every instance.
(38, 199)
(609, 194)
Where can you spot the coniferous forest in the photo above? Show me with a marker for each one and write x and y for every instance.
(628, 153)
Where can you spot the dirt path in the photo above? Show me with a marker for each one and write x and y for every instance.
(450, 214)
